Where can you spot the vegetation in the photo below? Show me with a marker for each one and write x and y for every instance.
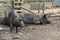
(38, 0)
(4, 1)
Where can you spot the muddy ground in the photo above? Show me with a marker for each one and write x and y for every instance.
(34, 32)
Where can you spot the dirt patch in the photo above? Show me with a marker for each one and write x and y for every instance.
(34, 32)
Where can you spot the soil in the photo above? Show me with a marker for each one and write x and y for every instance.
(34, 32)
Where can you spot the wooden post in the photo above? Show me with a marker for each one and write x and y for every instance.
(27, 10)
(43, 7)
(38, 7)
(52, 3)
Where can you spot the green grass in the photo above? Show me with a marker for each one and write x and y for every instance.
(38, 0)
(4, 1)
(1, 14)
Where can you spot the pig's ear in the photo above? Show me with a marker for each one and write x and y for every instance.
(44, 16)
